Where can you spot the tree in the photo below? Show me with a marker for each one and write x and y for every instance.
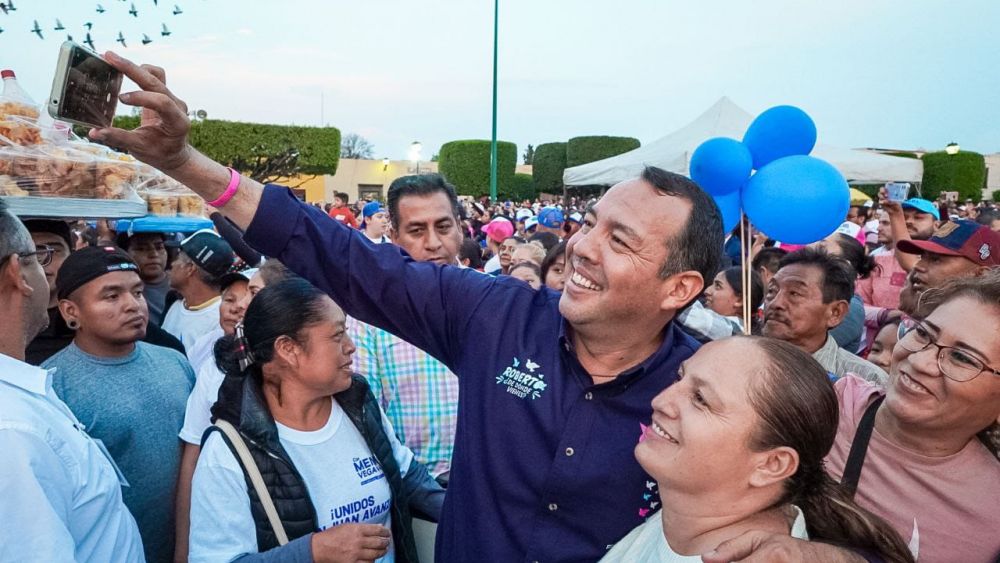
(356, 146)
(268, 168)
(529, 154)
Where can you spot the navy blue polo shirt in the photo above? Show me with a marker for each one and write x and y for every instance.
(543, 467)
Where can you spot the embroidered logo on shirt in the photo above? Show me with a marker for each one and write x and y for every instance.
(368, 469)
(522, 384)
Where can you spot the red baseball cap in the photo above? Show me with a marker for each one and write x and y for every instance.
(968, 239)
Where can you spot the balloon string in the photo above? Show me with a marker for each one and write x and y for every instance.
(745, 249)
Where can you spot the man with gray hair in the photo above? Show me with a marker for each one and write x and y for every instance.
(51, 467)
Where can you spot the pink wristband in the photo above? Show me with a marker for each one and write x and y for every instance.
(234, 184)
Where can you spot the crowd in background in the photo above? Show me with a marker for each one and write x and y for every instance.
(863, 413)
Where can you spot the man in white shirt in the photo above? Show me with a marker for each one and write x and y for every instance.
(61, 491)
(204, 258)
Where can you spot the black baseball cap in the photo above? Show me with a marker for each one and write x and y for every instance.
(56, 227)
(88, 264)
(210, 252)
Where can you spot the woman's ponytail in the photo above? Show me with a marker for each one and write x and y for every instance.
(798, 408)
(833, 516)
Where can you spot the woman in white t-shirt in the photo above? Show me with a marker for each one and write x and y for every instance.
(736, 446)
(301, 405)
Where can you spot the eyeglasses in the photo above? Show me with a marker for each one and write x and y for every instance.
(43, 253)
(955, 364)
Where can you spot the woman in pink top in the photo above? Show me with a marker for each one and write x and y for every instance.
(930, 465)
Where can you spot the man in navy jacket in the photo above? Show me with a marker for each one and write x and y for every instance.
(553, 389)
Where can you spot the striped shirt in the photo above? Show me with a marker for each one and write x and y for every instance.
(418, 393)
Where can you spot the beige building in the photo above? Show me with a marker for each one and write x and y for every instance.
(992, 175)
(361, 179)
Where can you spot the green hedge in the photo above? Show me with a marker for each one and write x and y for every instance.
(466, 165)
(522, 188)
(547, 167)
(319, 147)
(964, 172)
(581, 150)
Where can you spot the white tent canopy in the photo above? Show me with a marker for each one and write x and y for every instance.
(726, 119)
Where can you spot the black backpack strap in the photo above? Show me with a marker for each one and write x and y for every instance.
(859, 448)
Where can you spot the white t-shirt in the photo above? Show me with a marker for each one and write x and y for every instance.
(198, 413)
(344, 480)
(188, 326)
(647, 544)
(492, 265)
(204, 349)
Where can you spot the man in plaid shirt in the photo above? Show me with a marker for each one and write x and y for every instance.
(419, 394)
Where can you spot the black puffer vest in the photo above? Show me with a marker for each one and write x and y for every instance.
(285, 484)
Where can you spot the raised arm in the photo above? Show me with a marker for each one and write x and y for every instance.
(161, 142)
(425, 304)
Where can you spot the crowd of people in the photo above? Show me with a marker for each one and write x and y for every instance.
(548, 381)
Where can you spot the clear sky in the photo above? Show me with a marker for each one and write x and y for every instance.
(885, 73)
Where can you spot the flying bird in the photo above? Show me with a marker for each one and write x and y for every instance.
(59, 25)
(88, 25)
(69, 37)
(1, 30)
(100, 9)
(165, 32)
(133, 11)
(177, 10)
(146, 40)
(89, 42)
(121, 39)
(37, 30)
(3, 7)
(8, 7)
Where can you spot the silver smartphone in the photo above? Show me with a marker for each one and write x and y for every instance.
(85, 88)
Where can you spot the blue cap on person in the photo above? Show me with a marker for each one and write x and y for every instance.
(923, 206)
(370, 209)
(550, 217)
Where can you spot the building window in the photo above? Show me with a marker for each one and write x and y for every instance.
(370, 192)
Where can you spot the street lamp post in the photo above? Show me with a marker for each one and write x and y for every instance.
(493, 139)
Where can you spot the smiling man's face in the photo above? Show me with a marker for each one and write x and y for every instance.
(613, 263)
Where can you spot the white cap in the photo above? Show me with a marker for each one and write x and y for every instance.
(848, 228)
(523, 214)
(531, 223)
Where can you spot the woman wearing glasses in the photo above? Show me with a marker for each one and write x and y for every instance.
(922, 452)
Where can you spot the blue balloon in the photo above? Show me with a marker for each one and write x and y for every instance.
(721, 165)
(797, 199)
(779, 132)
(729, 206)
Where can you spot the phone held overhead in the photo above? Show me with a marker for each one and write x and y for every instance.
(85, 88)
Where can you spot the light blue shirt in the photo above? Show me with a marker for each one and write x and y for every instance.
(60, 495)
